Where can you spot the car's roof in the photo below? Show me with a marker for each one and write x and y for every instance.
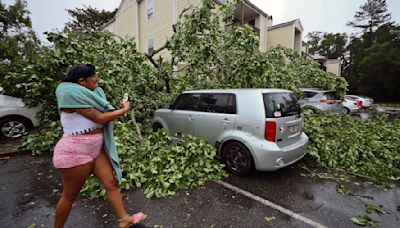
(362, 96)
(314, 90)
(262, 90)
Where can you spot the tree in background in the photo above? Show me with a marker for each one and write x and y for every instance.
(19, 44)
(370, 17)
(330, 45)
(314, 40)
(374, 63)
(88, 18)
(333, 45)
(379, 66)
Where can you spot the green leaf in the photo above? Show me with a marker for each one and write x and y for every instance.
(269, 218)
(377, 209)
(341, 189)
(364, 220)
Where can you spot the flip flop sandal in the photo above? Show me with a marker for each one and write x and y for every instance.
(130, 220)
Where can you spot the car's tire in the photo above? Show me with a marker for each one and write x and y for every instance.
(157, 127)
(14, 127)
(344, 110)
(237, 158)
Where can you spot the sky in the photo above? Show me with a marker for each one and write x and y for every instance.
(315, 15)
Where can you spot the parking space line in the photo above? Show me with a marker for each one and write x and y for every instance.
(270, 204)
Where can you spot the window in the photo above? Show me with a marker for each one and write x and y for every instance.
(218, 103)
(150, 45)
(308, 94)
(187, 101)
(150, 9)
(331, 96)
(252, 22)
(280, 105)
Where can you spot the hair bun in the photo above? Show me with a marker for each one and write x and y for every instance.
(80, 71)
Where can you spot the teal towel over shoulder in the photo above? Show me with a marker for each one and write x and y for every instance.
(73, 95)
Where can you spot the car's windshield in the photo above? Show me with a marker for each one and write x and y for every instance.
(280, 105)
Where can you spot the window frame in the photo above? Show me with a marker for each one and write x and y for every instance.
(231, 96)
(150, 10)
(186, 94)
(148, 45)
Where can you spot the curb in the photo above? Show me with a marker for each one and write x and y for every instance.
(14, 153)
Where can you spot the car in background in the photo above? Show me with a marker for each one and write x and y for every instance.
(350, 106)
(320, 100)
(365, 102)
(15, 118)
(250, 128)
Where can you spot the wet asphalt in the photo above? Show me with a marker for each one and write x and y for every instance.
(30, 188)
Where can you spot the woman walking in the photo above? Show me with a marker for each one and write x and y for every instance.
(87, 146)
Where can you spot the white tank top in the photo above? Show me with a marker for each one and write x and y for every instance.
(76, 124)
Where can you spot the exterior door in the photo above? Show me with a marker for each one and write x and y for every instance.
(217, 115)
(181, 119)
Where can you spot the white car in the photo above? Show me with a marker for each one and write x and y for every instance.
(365, 102)
(350, 105)
(15, 118)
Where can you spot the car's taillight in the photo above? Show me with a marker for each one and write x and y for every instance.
(270, 131)
(328, 101)
(361, 105)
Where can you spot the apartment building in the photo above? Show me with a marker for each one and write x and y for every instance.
(151, 23)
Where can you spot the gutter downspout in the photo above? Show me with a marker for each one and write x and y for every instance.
(136, 9)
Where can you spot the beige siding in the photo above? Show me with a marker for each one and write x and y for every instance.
(125, 20)
(298, 37)
(183, 4)
(159, 27)
(333, 66)
(283, 36)
(263, 34)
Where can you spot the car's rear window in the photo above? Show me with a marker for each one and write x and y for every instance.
(280, 105)
(331, 96)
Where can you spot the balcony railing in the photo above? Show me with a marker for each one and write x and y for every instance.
(234, 25)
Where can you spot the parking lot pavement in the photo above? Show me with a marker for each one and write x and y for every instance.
(319, 199)
(30, 188)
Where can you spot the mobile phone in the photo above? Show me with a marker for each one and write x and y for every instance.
(125, 97)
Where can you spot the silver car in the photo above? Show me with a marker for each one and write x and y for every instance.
(365, 102)
(15, 118)
(250, 128)
(321, 100)
(350, 105)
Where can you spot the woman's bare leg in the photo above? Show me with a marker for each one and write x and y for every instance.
(72, 180)
(103, 171)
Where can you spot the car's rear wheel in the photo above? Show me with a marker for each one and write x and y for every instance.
(14, 127)
(345, 110)
(157, 127)
(237, 158)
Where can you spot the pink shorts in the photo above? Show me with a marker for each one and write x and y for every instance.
(74, 150)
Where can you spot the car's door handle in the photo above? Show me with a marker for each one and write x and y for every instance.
(190, 119)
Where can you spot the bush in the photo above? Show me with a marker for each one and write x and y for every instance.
(160, 165)
(367, 148)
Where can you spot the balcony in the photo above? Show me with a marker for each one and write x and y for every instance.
(236, 24)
